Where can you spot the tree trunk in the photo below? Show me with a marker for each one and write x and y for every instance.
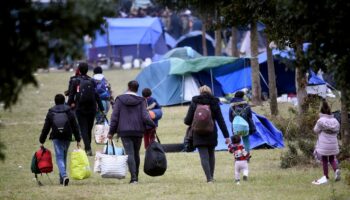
(345, 133)
(234, 41)
(301, 83)
(204, 41)
(256, 87)
(218, 41)
(272, 80)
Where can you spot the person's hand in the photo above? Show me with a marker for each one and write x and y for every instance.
(109, 136)
(78, 145)
(227, 141)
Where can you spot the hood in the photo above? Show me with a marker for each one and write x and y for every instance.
(60, 108)
(328, 124)
(205, 99)
(98, 77)
(130, 99)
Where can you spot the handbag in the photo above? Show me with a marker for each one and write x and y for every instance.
(79, 165)
(155, 159)
(113, 165)
(101, 132)
(111, 149)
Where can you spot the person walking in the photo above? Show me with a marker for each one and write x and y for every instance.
(241, 157)
(104, 91)
(327, 127)
(205, 139)
(83, 98)
(61, 122)
(129, 119)
(239, 105)
(154, 108)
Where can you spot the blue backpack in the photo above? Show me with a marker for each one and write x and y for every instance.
(239, 124)
(102, 90)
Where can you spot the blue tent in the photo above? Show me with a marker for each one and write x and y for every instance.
(194, 39)
(267, 134)
(139, 37)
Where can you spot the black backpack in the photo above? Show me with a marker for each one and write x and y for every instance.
(86, 91)
(60, 123)
(155, 159)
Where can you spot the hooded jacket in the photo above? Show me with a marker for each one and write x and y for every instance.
(239, 102)
(55, 134)
(213, 102)
(129, 116)
(327, 128)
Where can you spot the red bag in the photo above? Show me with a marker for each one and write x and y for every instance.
(202, 123)
(44, 160)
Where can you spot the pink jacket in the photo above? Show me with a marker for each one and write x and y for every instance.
(327, 128)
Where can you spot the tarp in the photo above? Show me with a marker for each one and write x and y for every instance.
(267, 134)
(199, 64)
(182, 52)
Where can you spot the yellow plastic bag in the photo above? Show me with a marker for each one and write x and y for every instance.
(79, 165)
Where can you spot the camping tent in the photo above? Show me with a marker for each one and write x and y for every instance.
(267, 135)
(138, 37)
(175, 80)
(194, 39)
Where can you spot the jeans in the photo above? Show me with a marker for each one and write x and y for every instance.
(86, 122)
(208, 161)
(61, 151)
(132, 147)
(100, 115)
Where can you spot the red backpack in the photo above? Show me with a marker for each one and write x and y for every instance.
(202, 123)
(41, 162)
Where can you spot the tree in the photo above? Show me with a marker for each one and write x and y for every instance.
(241, 13)
(33, 31)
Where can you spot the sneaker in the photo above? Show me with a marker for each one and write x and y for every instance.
(65, 181)
(320, 181)
(237, 182)
(245, 178)
(89, 153)
(337, 175)
(133, 182)
(210, 181)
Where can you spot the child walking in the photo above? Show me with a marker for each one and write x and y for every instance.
(241, 158)
(155, 113)
(327, 128)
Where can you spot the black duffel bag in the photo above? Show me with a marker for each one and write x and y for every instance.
(155, 159)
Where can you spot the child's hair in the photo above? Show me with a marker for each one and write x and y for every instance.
(59, 99)
(236, 139)
(146, 92)
(325, 109)
(205, 90)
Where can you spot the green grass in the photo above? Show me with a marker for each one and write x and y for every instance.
(184, 178)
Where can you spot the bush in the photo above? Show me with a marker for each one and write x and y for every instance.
(345, 166)
(289, 158)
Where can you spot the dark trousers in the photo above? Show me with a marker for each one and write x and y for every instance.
(207, 157)
(331, 160)
(132, 147)
(86, 122)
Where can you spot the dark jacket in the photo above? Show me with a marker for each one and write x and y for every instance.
(129, 116)
(239, 102)
(56, 135)
(213, 102)
(73, 95)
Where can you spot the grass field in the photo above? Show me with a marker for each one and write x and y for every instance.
(184, 178)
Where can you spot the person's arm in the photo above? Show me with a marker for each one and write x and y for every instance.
(75, 127)
(190, 113)
(252, 127)
(113, 126)
(145, 115)
(317, 128)
(221, 123)
(72, 92)
(153, 105)
(46, 129)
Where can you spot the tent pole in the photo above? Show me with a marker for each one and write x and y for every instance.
(212, 82)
